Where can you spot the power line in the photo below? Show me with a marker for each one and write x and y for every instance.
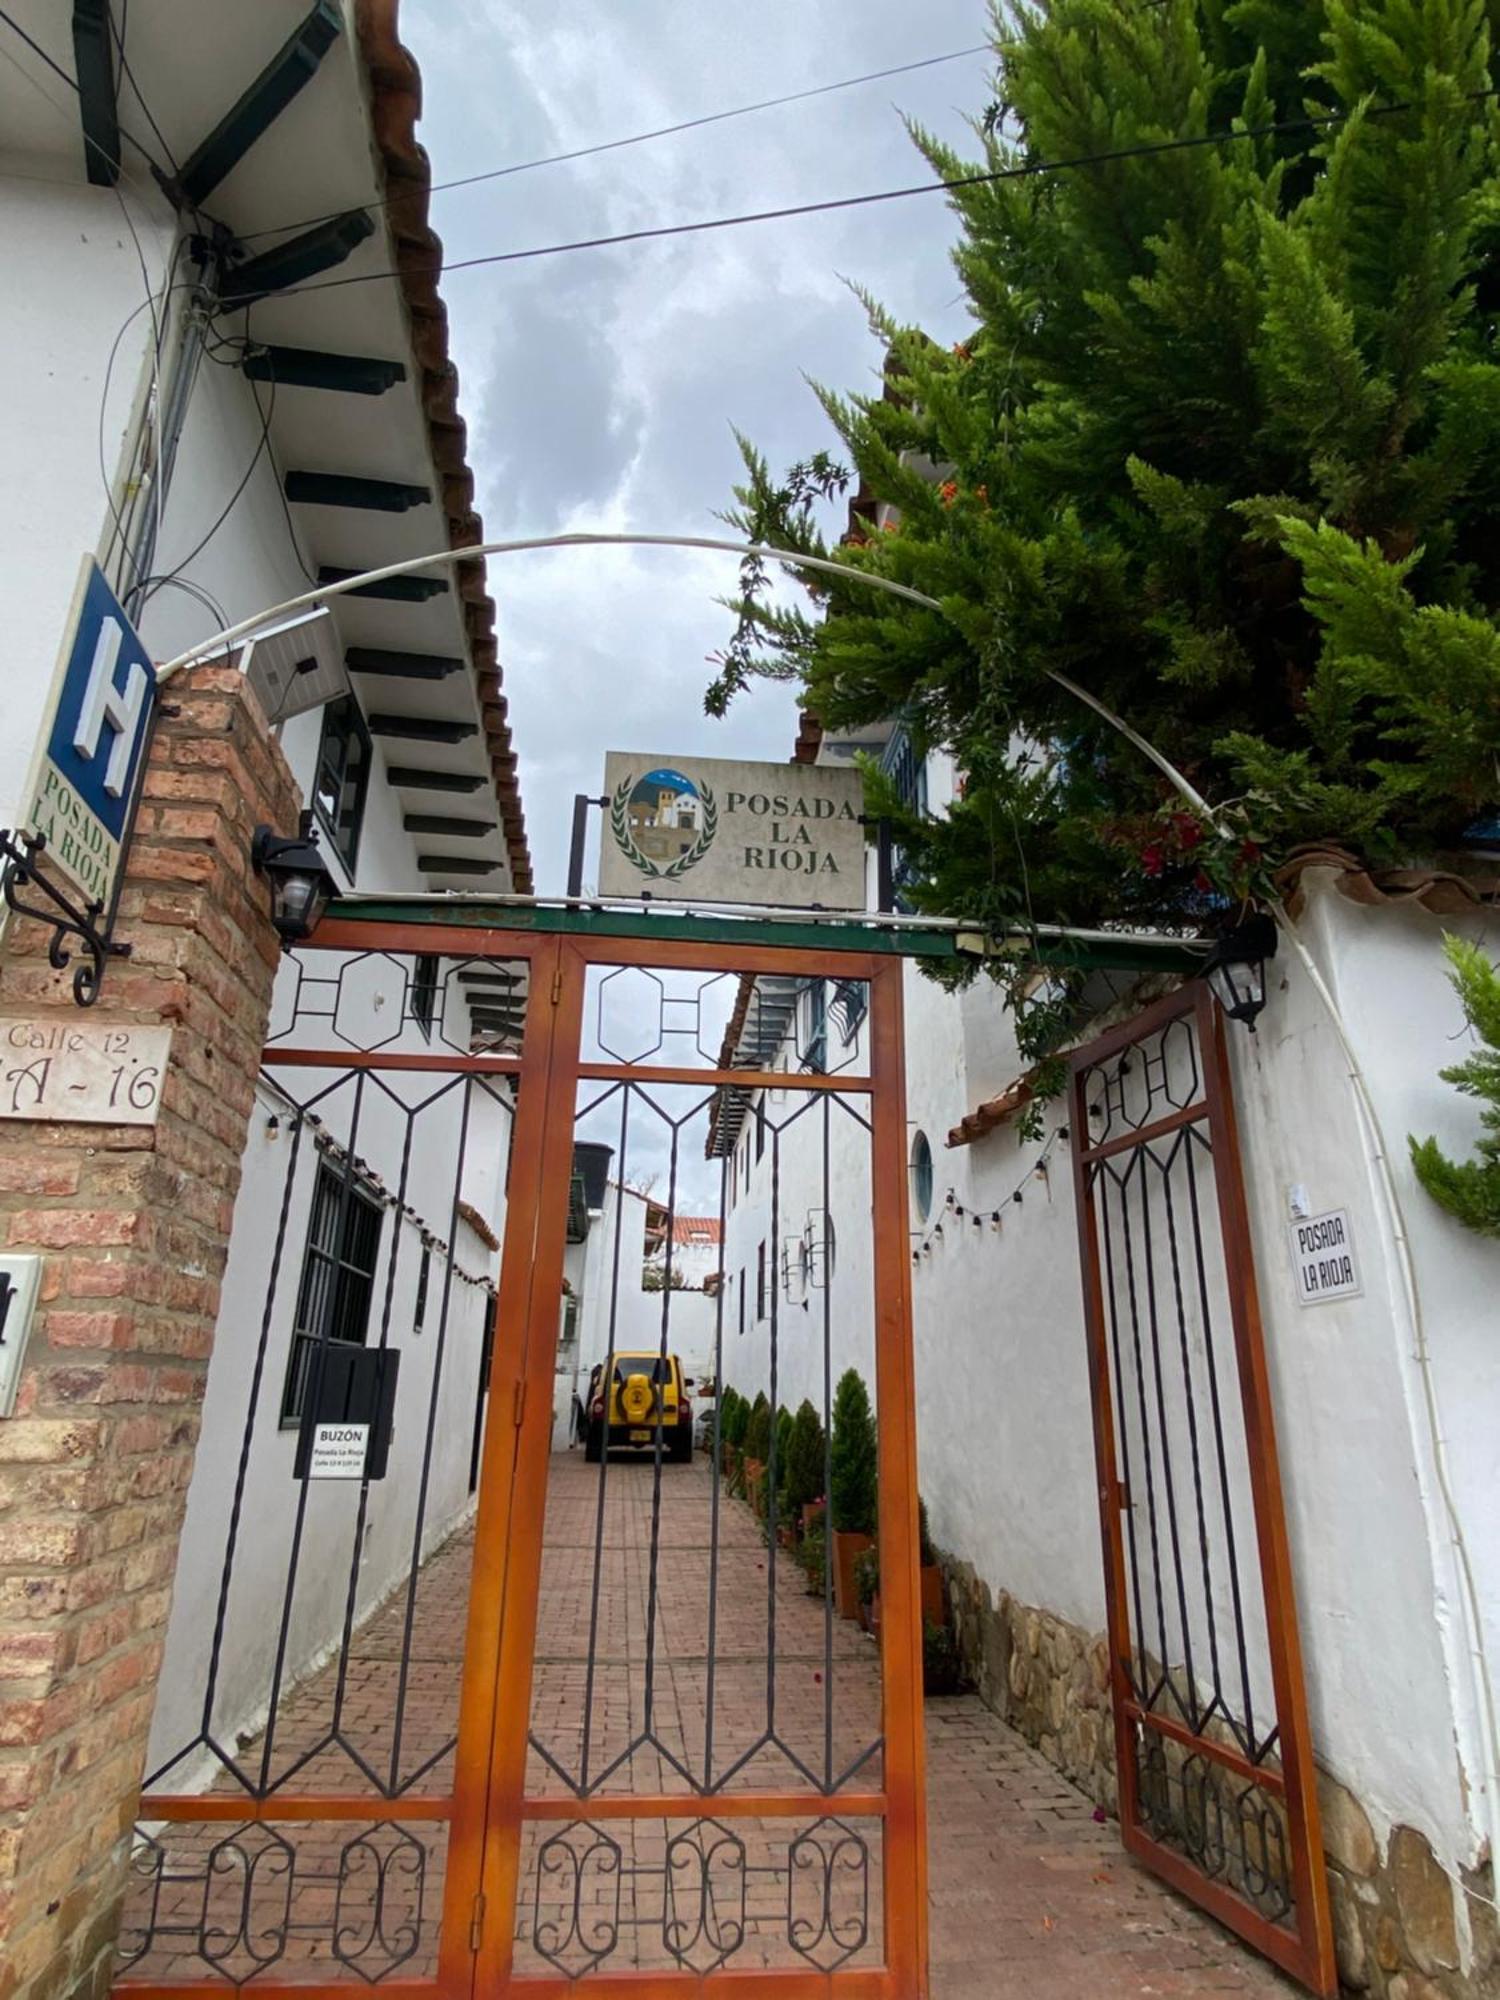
(119, 32)
(72, 83)
(640, 138)
(263, 445)
(662, 231)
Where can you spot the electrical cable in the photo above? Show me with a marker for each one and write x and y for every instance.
(196, 590)
(1033, 170)
(198, 547)
(120, 538)
(635, 138)
(57, 69)
(241, 347)
(119, 40)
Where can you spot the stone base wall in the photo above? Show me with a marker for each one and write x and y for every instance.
(1396, 1914)
(1048, 1679)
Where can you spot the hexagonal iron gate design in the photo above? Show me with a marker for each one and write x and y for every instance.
(1217, 1787)
(383, 1755)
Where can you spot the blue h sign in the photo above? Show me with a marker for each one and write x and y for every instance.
(91, 760)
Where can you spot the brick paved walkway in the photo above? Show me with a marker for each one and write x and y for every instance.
(1030, 1895)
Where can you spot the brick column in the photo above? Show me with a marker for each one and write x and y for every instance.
(134, 1225)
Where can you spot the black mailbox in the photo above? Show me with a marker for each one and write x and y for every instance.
(350, 1385)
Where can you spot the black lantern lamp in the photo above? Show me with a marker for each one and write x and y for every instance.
(300, 884)
(1236, 968)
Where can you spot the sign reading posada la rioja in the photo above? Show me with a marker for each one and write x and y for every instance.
(709, 829)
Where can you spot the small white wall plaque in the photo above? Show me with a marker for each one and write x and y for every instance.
(339, 1451)
(90, 1073)
(1323, 1258)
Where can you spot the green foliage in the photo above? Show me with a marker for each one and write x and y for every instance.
(757, 1440)
(1222, 448)
(783, 1431)
(853, 1490)
(928, 1552)
(867, 1575)
(805, 1459)
(942, 1664)
(1470, 1189)
(812, 1553)
(734, 1415)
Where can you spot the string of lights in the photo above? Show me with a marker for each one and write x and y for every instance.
(373, 1187)
(965, 1223)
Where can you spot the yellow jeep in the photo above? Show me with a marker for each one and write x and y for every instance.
(647, 1395)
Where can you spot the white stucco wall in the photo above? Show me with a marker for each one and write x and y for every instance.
(616, 1310)
(450, 1157)
(1004, 1424)
(73, 278)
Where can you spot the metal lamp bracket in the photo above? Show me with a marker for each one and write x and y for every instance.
(88, 923)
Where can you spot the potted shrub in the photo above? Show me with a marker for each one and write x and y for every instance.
(786, 1516)
(934, 1589)
(867, 1586)
(813, 1556)
(942, 1669)
(804, 1466)
(756, 1450)
(733, 1415)
(852, 1491)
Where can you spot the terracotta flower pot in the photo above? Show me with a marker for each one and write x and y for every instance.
(846, 1547)
(934, 1595)
(812, 1512)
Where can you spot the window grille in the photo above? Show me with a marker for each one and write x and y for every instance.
(338, 1278)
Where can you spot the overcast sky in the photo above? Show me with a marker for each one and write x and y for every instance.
(600, 387)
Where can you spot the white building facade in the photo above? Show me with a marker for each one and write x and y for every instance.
(1386, 1396)
(227, 383)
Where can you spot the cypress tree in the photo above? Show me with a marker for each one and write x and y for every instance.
(1222, 448)
(1470, 1189)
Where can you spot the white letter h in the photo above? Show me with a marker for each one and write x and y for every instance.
(104, 702)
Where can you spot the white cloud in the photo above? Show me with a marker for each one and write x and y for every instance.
(601, 387)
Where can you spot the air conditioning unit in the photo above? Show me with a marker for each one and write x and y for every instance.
(296, 665)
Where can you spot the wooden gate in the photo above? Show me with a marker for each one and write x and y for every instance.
(1217, 1789)
(605, 1724)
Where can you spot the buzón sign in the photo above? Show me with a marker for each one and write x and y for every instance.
(716, 830)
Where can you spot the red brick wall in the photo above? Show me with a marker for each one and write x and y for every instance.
(134, 1223)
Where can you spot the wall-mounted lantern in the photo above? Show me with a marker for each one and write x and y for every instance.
(1236, 968)
(300, 884)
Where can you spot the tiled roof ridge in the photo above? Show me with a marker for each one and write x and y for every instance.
(395, 106)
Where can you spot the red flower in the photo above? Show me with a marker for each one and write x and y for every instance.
(948, 492)
(1202, 881)
(1153, 860)
(1249, 853)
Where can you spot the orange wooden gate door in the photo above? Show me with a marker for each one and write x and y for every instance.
(603, 1721)
(1217, 1788)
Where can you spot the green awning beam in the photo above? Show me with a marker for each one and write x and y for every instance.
(1084, 950)
(97, 106)
(289, 71)
(312, 368)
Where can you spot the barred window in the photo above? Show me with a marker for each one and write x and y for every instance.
(338, 1278)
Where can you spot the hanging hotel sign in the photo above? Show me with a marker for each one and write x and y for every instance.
(714, 830)
(94, 741)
